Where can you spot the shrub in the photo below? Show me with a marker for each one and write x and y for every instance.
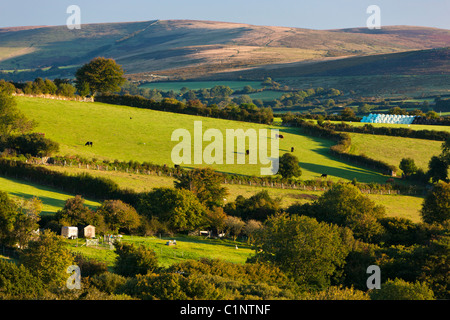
(399, 289)
(132, 260)
(34, 144)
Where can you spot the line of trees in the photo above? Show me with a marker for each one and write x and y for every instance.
(388, 131)
(244, 112)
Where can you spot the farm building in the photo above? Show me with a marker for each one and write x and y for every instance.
(87, 231)
(69, 232)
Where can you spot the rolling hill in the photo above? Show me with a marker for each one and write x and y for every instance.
(187, 48)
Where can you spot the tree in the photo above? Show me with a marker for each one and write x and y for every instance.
(48, 259)
(26, 222)
(348, 113)
(257, 207)
(34, 144)
(309, 251)
(17, 282)
(216, 219)
(101, 74)
(399, 289)
(18, 220)
(11, 119)
(289, 166)
(435, 269)
(119, 216)
(132, 260)
(179, 208)
(205, 183)
(234, 225)
(66, 90)
(346, 206)
(75, 213)
(8, 214)
(437, 169)
(446, 151)
(436, 206)
(364, 108)
(408, 166)
(251, 228)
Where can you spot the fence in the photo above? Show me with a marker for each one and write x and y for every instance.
(322, 185)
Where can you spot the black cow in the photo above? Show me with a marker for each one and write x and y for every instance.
(324, 175)
(89, 143)
(177, 166)
(281, 136)
(292, 149)
(247, 152)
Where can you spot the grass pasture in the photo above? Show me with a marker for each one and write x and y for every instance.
(52, 199)
(187, 248)
(147, 137)
(393, 149)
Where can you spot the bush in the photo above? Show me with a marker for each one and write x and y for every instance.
(132, 260)
(179, 208)
(90, 267)
(108, 282)
(436, 206)
(17, 282)
(399, 289)
(34, 144)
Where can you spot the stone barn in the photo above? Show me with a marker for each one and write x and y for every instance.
(87, 231)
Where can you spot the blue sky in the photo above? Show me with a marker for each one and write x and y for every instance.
(314, 14)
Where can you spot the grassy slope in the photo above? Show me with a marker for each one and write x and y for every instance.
(147, 137)
(216, 46)
(52, 199)
(186, 248)
(393, 149)
(113, 120)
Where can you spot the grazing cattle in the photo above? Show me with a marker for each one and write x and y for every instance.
(324, 175)
(89, 143)
(177, 166)
(280, 136)
(247, 152)
(292, 149)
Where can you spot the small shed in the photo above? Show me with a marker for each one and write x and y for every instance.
(69, 232)
(87, 231)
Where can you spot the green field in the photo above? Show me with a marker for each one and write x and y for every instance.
(197, 85)
(187, 248)
(147, 137)
(116, 136)
(393, 149)
(416, 127)
(52, 199)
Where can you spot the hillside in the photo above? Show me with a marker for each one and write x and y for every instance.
(168, 47)
(148, 137)
(419, 62)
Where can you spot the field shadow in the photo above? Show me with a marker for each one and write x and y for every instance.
(58, 203)
(362, 174)
(347, 173)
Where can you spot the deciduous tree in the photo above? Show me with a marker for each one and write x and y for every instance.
(101, 74)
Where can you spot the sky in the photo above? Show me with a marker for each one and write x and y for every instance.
(311, 14)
